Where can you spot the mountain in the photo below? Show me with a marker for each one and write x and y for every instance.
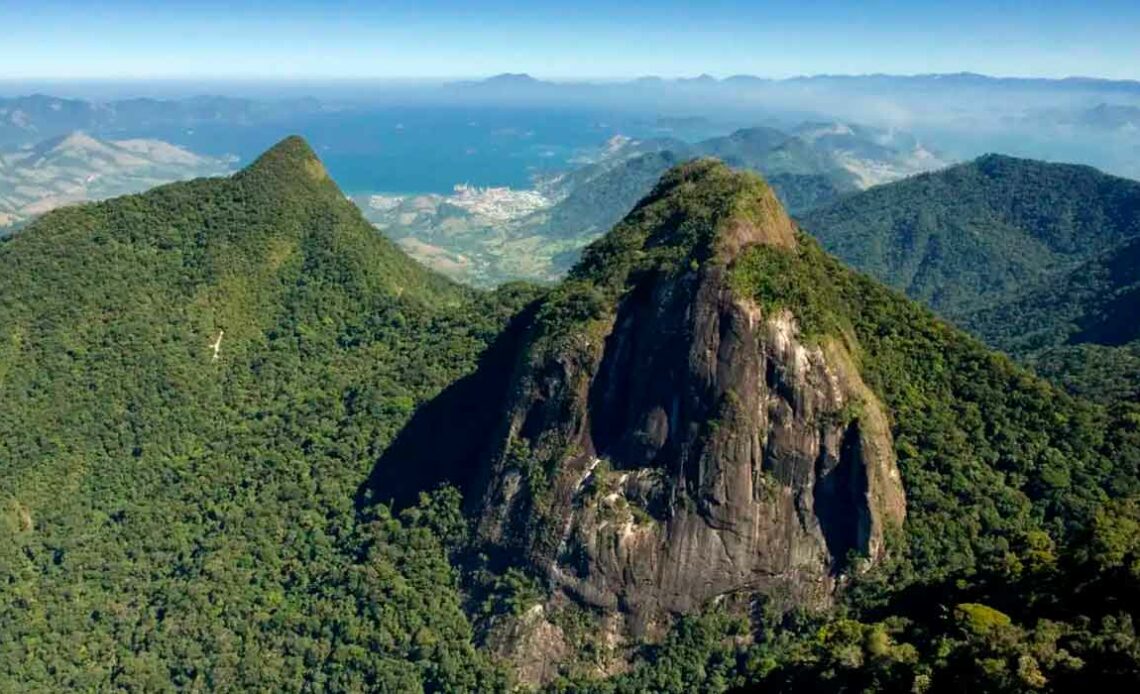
(1118, 118)
(1111, 117)
(972, 234)
(1037, 259)
(872, 156)
(511, 78)
(26, 120)
(972, 79)
(812, 166)
(915, 83)
(613, 478)
(37, 117)
(78, 168)
(713, 424)
(193, 382)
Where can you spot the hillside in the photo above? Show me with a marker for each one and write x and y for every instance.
(80, 168)
(711, 417)
(1081, 329)
(979, 232)
(193, 382)
(1036, 259)
(805, 169)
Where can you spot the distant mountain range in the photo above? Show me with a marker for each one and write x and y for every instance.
(37, 117)
(956, 79)
(78, 168)
(963, 115)
(1083, 120)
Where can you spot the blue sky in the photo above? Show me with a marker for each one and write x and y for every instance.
(563, 40)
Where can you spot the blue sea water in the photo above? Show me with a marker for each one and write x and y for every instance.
(428, 149)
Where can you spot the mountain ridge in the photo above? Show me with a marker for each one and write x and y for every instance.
(1017, 251)
(76, 167)
(957, 237)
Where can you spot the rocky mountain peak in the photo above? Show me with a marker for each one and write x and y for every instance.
(667, 441)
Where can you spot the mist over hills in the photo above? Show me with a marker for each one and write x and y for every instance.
(923, 81)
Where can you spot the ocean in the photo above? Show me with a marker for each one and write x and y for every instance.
(430, 149)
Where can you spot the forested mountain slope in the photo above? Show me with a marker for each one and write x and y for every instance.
(1037, 259)
(973, 234)
(1082, 329)
(193, 382)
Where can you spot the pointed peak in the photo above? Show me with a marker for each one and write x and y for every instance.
(699, 211)
(291, 157)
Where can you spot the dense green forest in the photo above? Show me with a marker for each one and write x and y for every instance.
(172, 519)
(1081, 329)
(197, 382)
(966, 236)
(1037, 259)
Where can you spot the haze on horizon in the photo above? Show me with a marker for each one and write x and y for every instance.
(442, 39)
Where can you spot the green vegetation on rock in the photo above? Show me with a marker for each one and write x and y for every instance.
(1012, 488)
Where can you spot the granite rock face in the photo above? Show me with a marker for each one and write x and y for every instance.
(682, 445)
